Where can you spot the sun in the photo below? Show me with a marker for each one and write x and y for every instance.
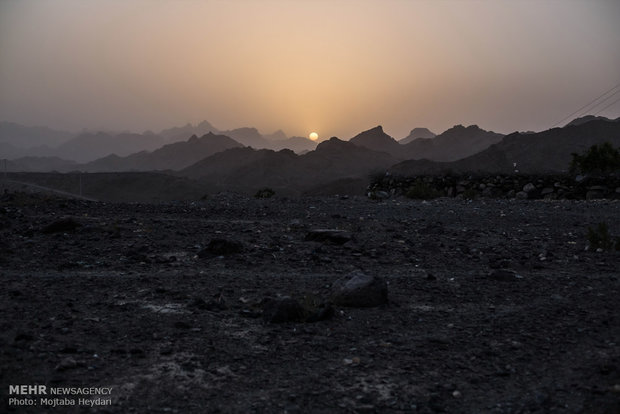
(313, 136)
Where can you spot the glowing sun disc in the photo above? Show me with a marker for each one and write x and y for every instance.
(313, 136)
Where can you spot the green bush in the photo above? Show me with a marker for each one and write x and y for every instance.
(470, 194)
(599, 238)
(422, 191)
(265, 192)
(602, 158)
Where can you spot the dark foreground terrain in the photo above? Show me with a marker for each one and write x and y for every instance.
(494, 306)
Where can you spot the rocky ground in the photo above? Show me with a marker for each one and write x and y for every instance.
(494, 305)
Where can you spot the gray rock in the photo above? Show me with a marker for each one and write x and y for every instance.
(601, 188)
(328, 235)
(284, 309)
(504, 275)
(521, 195)
(221, 247)
(359, 290)
(65, 364)
(546, 190)
(594, 195)
(529, 187)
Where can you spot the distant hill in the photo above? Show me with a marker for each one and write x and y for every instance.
(40, 164)
(90, 146)
(21, 136)
(455, 143)
(417, 133)
(279, 135)
(182, 133)
(296, 144)
(246, 169)
(18, 141)
(589, 118)
(336, 158)
(9, 151)
(250, 137)
(542, 152)
(377, 140)
(173, 156)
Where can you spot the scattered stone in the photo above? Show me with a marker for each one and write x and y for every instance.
(382, 195)
(181, 325)
(529, 187)
(250, 313)
(214, 305)
(66, 364)
(61, 226)
(284, 309)
(359, 290)
(220, 247)
(328, 235)
(351, 361)
(504, 275)
(321, 313)
(521, 195)
(594, 195)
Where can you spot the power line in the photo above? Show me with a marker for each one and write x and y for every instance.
(604, 100)
(590, 103)
(611, 104)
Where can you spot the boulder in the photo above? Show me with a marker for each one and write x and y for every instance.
(284, 309)
(359, 290)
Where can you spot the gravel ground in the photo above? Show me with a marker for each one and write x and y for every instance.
(494, 306)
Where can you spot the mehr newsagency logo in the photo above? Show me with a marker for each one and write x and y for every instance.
(42, 395)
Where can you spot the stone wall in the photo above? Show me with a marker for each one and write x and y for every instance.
(532, 187)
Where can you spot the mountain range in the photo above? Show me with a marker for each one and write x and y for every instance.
(18, 141)
(417, 133)
(221, 162)
(543, 152)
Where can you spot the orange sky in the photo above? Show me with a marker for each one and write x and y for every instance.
(335, 67)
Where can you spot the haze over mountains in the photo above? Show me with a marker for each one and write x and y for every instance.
(21, 141)
(243, 159)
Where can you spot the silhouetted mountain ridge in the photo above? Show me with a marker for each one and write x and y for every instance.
(377, 140)
(453, 144)
(246, 168)
(417, 133)
(21, 136)
(175, 156)
(543, 152)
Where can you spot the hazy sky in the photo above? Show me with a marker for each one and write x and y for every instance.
(335, 67)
